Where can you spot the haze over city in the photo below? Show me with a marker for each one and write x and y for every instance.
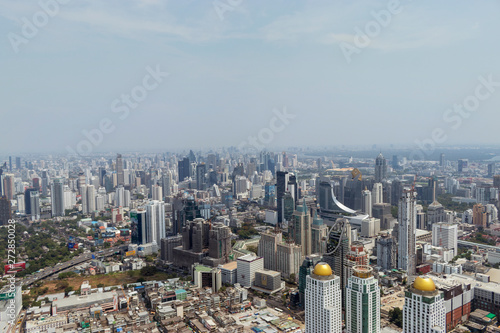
(230, 64)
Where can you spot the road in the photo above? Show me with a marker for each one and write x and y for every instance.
(48, 271)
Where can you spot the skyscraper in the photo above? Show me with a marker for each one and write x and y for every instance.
(366, 203)
(57, 198)
(88, 199)
(5, 211)
(155, 220)
(267, 248)
(35, 205)
(380, 168)
(8, 186)
(479, 216)
(300, 229)
(445, 235)
(424, 310)
(407, 219)
(120, 176)
(281, 185)
(319, 235)
(386, 252)
(441, 160)
(306, 269)
(463, 165)
(183, 169)
(377, 194)
(323, 310)
(363, 302)
(201, 178)
(138, 226)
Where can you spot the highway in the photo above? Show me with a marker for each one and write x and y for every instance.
(48, 271)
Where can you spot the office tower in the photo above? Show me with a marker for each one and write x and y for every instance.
(424, 310)
(45, 182)
(69, 198)
(57, 198)
(445, 235)
(157, 192)
(18, 163)
(247, 265)
(363, 301)
(441, 160)
(366, 206)
(201, 178)
(155, 220)
(386, 252)
(306, 269)
(8, 186)
(479, 216)
(5, 211)
(496, 181)
(380, 168)
(281, 185)
(138, 226)
(299, 229)
(395, 164)
(35, 205)
(396, 191)
(100, 202)
(407, 219)
(167, 183)
(319, 235)
(491, 169)
(382, 212)
(88, 199)
(318, 164)
(10, 163)
(323, 309)
(377, 194)
(463, 165)
(101, 174)
(120, 176)
(126, 198)
(21, 207)
(338, 247)
(27, 200)
(288, 258)
(212, 161)
(219, 242)
(119, 196)
(183, 169)
(292, 187)
(268, 247)
(36, 184)
(167, 247)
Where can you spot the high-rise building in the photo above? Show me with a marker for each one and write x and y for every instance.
(120, 196)
(357, 256)
(219, 242)
(380, 168)
(288, 257)
(366, 203)
(323, 309)
(395, 162)
(8, 186)
(157, 192)
(27, 200)
(183, 169)
(463, 165)
(319, 235)
(138, 226)
(441, 160)
(445, 235)
(201, 178)
(5, 211)
(18, 163)
(35, 205)
(407, 220)
(167, 246)
(300, 229)
(281, 185)
(88, 199)
(306, 269)
(57, 197)
(21, 207)
(386, 252)
(491, 169)
(424, 310)
(377, 194)
(268, 247)
(155, 220)
(167, 183)
(479, 216)
(247, 266)
(120, 176)
(363, 301)
(45, 182)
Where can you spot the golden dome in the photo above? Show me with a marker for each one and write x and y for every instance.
(322, 269)
(424, 284)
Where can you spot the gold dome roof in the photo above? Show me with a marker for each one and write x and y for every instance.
(424, 284)
(322, 269)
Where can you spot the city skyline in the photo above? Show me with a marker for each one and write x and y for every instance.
(214, 76)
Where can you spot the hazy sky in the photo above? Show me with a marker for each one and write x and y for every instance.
(230, 63)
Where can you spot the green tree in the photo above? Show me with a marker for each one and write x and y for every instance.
(396, 317)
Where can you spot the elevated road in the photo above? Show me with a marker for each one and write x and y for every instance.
(48, 271)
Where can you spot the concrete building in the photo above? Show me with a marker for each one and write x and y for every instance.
(267, 248)
(167, 247)
(229, 272)
(407, 216)
(366, 202)
(57, 198)
(377, 194)
(424, 310)
(363, 302)
(268, 281)
(300, 228)
(323, 301)
(247, 266)
(445, 235)
(207, 277)
(289, 258)
(386, 252)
